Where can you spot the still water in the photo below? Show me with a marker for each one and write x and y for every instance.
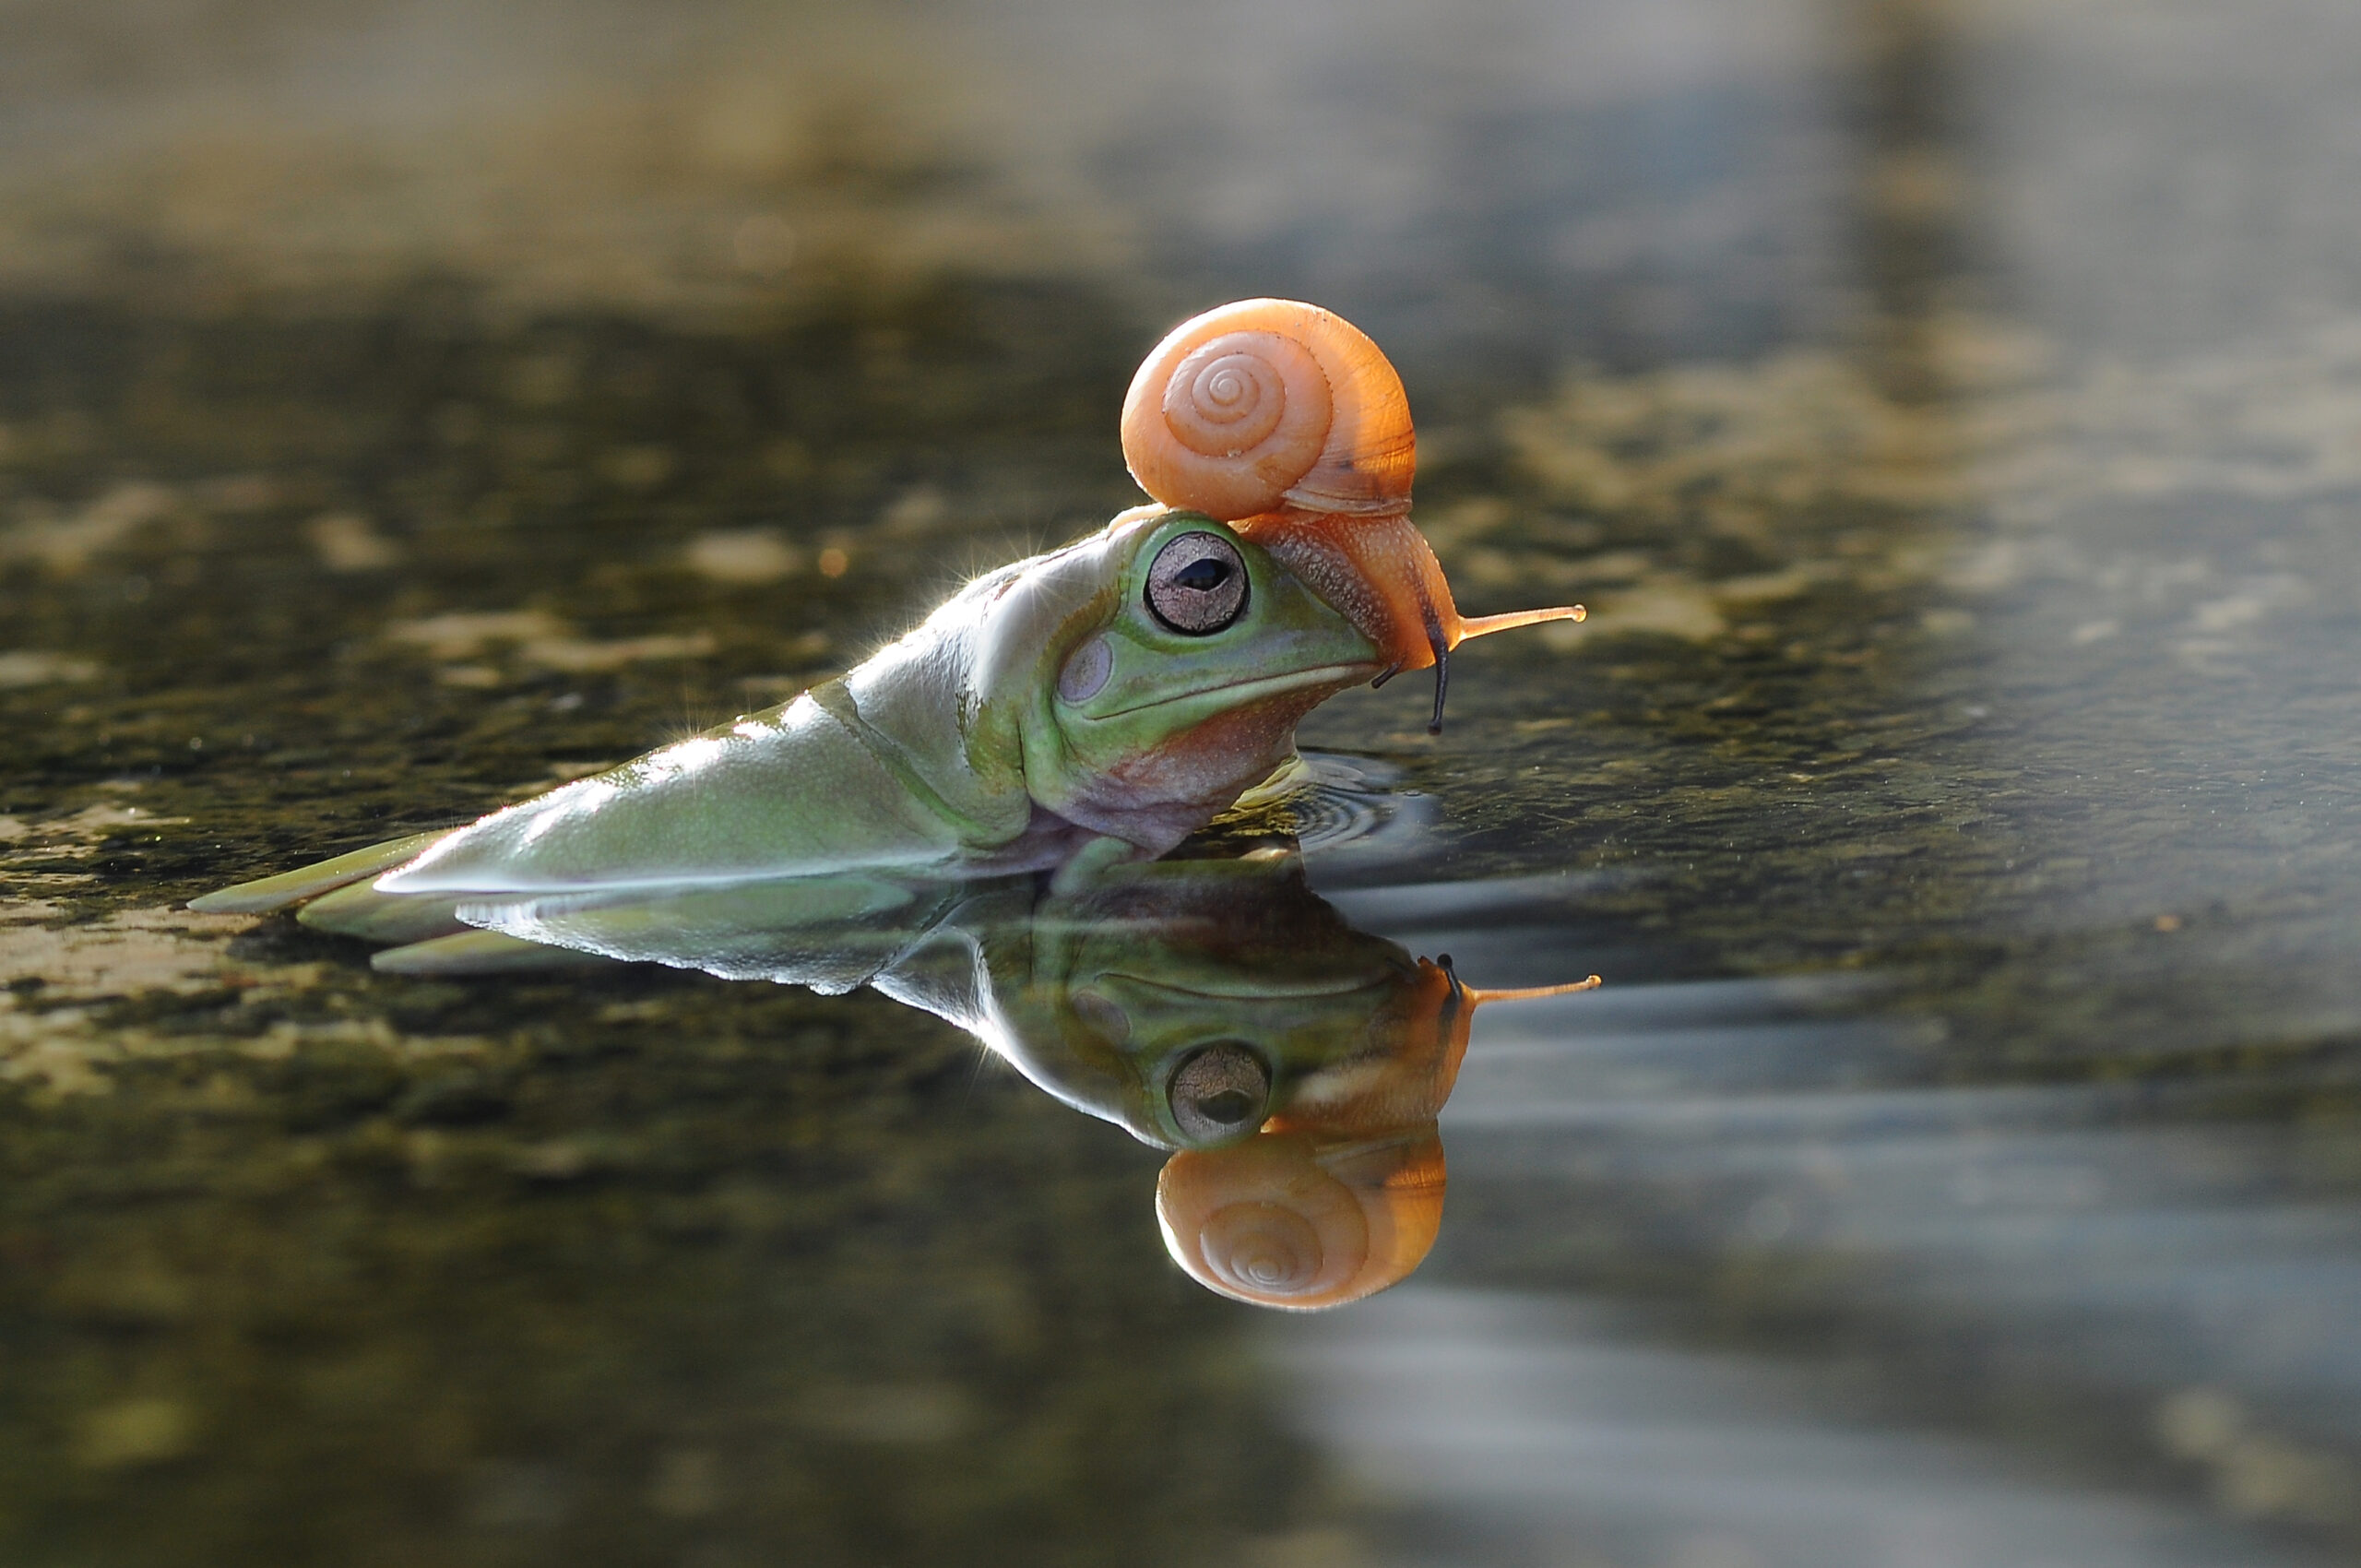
(1951, 412)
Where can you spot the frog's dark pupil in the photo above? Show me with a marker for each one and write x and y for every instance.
(1196, 585)
(1204, 575)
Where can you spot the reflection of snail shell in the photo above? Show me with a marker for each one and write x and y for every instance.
(1281, 1221)
(1267, 403)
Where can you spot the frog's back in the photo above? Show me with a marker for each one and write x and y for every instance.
(786, 793)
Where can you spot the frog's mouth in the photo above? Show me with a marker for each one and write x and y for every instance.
(1243, 692)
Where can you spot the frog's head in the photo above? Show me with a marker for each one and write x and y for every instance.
(1158, 669)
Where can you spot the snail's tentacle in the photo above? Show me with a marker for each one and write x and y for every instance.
(1484, 625)
(1533, 992)
(1440, 647)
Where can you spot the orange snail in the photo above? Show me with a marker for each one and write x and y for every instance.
(1286, 422)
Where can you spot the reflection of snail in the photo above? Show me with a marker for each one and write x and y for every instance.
(1342, 1193)
(1285, 420)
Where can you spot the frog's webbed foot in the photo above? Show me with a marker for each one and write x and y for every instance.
(479, 953)
(309, 882)
(358, 910)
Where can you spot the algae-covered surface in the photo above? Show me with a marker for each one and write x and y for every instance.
(1950, 414)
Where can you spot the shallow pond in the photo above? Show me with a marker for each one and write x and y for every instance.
(1949, 413)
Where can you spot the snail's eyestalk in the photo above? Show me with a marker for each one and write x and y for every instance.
(1463, 995)
(1381, 573)
(1478, 626)
(1454, 1002)
(1484, 625)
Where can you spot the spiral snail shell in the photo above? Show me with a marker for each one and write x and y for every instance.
(1287, 421)
(1282, 1220)
(1267, 403)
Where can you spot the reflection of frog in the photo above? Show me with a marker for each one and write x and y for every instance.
(1234, 1003)
(1217, 1008)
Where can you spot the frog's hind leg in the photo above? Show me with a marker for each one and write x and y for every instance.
(294, 887)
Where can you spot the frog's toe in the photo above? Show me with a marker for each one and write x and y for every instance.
(478, 952)
(390, 918)
(294, 887)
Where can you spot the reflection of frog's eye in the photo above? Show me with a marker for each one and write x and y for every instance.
(1196, 585)
(1219, 1092)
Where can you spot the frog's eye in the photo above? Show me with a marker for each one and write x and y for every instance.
(1219, 1092)
(1196, 585)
